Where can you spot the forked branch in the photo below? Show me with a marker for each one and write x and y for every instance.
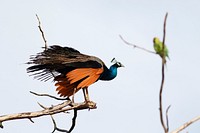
(63, 107)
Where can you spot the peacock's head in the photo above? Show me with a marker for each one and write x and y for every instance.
(116, 63)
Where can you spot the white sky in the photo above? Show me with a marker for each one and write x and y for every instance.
(127, 104)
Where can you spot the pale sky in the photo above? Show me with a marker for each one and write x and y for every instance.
(127, 104)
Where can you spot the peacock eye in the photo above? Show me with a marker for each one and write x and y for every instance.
(119, 64)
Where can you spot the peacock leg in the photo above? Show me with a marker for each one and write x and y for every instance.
(73, 95)
(86, 95)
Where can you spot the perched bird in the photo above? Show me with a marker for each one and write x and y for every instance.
(70, 69)
(158, 47)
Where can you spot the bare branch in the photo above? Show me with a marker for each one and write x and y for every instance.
(43, 36)
(163, 79)
(63, 107)
(28, 115)
(72, 126)
(73, 121)
(47, 95)
(185, 125)
(135, 46)
(54, 122)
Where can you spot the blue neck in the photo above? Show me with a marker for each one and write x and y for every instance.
(110, 73)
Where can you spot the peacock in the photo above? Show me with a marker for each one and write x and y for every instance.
(70, 69)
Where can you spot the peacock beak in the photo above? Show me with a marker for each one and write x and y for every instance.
(122, 65)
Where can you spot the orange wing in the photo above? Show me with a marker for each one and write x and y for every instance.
(77, 79)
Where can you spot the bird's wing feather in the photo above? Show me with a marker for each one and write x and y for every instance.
(90, 75)
(62, 60)
(77, 79)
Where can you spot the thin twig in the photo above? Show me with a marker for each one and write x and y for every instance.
(167, 117)
(135, 46)
(162, 81)
(31, 120)
(43, 36)
(1, 125)
(42, 106)
(185, 125)
(164, 36)
(54, 122)
(73, 121)
(56, 128)
(72, 126)
(47, 95)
